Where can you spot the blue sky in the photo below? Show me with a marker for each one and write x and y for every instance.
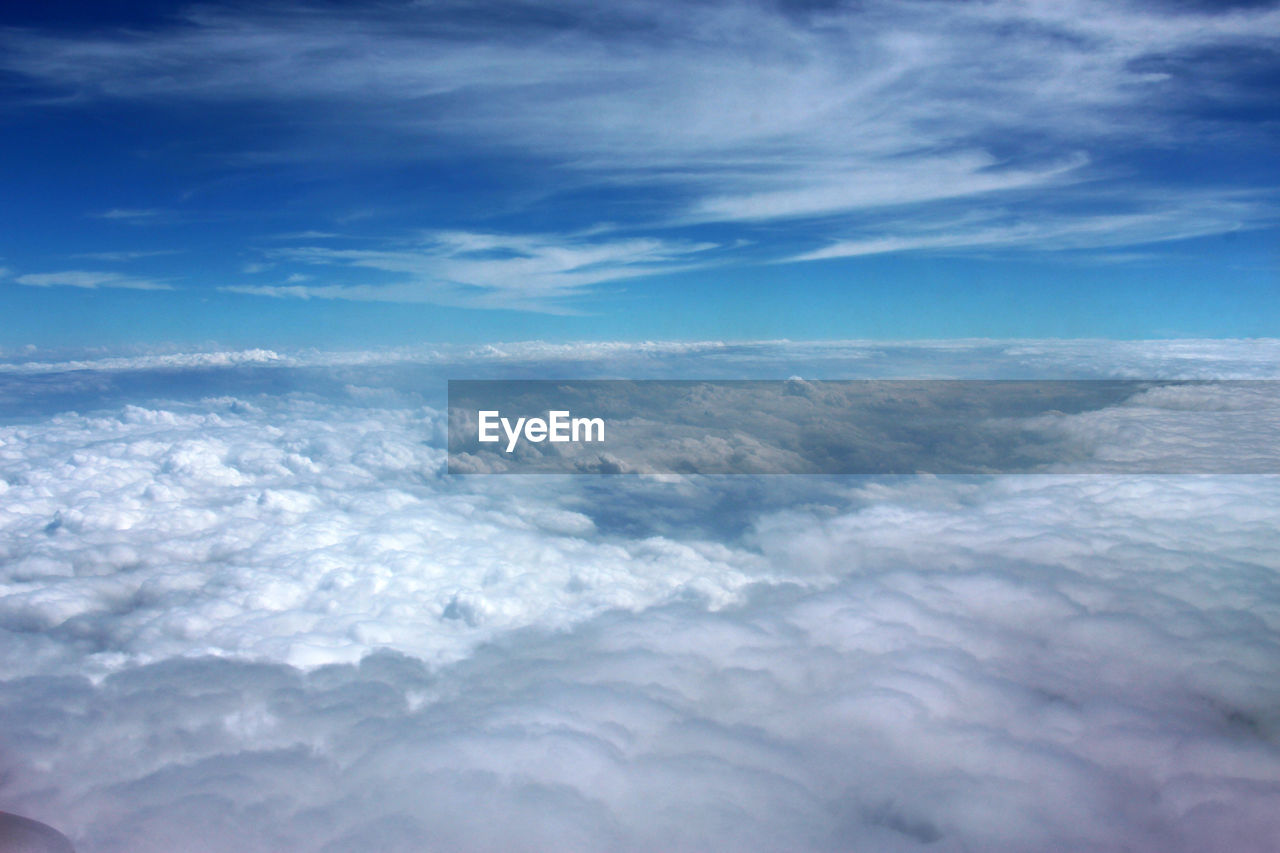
(321, 174)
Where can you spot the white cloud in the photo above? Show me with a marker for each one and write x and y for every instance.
(964, 669)
(839, 130)
(89, 280)
(910, 180)
(746, 111)
(491, 270)
(127, 255)
(187, 587)
(1153, 221)
(133, 215)
(1182, 358)
(157, 361)
(278, 504)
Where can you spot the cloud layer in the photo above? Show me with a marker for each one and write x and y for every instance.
(266, 621)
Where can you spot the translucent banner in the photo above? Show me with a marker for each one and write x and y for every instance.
(863, 426)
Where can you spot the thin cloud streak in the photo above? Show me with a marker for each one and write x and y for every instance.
(479, 269)
(127, 255)
(1154, 223)
(912, 181)
(89, 280)
(133, 216)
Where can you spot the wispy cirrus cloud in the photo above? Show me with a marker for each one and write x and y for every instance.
(733, 101)
(89, 280)
(1151, 220)
(480, 269)
(910, 180)
(133, 216)
(809, 130)
(125, 256)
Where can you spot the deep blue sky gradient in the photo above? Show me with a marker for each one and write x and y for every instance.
(322, 174)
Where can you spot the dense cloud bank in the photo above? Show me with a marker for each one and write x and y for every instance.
(268, 621)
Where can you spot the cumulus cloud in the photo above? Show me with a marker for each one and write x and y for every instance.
(950, 667)
(144, 536)
(242, 609)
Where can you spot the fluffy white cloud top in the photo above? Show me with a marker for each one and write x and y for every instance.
(305, 532)
(267, 621)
